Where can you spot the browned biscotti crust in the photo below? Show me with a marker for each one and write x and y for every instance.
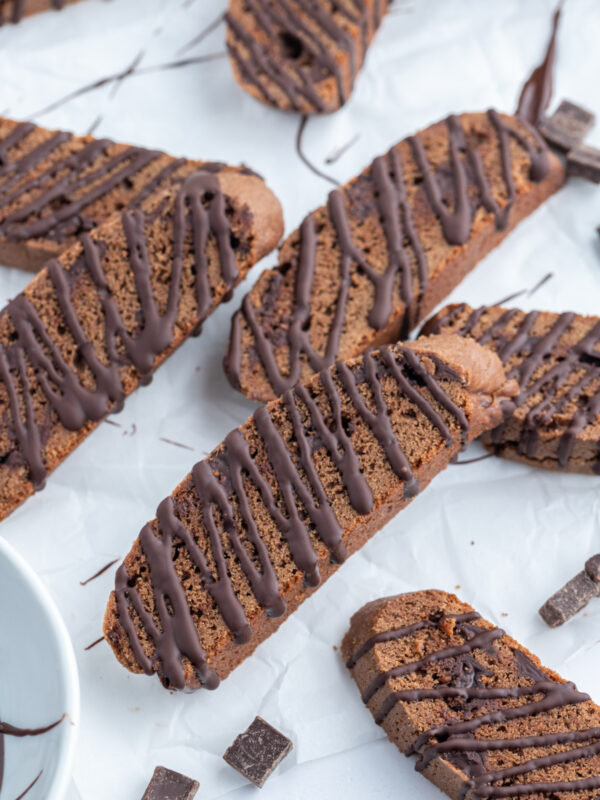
(95, 323)
(54, 186)
(301, 56)
(388, 247)
(15, 10)
(276, 507)
(556, 360)
(483, 716)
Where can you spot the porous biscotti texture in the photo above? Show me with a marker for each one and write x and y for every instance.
(387, 248)
(285, 498)
(556, 360)
(95, 323)
(480, 712)
(55, 186)
(298, 55)
(14, 10)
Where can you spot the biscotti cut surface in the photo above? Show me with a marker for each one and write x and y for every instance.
(387, 248)
(556, 360)
(14, 10)
(483, 716)
(55, 186)
(301, 55)
(94, 323)
(287, 497)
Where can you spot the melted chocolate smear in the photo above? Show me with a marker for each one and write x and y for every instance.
(455, 740)
(340, 151)
(306, 53)
(537, 90)
(403, 244)
(101, 571)
(176, 444)
(94, 643)
(75, 404)
(223, 503)
(302, 156)
(31, 785)
(472, 460)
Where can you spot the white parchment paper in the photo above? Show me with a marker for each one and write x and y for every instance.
(503, 535)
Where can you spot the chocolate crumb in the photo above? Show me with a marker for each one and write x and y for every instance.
(169, 785)
(568, 126)
(258, 751)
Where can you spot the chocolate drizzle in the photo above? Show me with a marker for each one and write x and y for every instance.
(547, 391)
(407, 264)
(537, 90)
(12, 730)
(456, 740)
(293, 495)
(200, 206)
(300, 51)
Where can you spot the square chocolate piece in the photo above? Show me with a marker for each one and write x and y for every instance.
(584, 162)
(169, 785)
(567, 127)
(258, 751)
(573, 596)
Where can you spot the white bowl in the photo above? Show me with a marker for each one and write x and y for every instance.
(38, 683)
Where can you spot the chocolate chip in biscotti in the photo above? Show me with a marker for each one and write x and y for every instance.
(301, 56)
(386, 248)
(280, 504)
(94, 324)
(258, 751)
(55, 186)
(584, 162)
(568, 126)
(482, 715)
(169, 785)
(556, 360)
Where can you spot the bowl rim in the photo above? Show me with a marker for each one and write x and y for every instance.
(67, 666)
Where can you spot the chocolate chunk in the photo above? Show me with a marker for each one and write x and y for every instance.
(592, 567)
(169, 785)
(573, 596)
(584, 162)
(567, 127)
(258, 751)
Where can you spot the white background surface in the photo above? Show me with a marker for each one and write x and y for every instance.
(507, 535)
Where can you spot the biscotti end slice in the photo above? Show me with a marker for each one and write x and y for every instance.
(95, 323)
(556, 360)
(387, 248)
(298, 55)
(483, 716)
(15, 10)
(55, 186)
(287, 497)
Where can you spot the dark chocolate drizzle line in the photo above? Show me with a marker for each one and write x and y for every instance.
(537, 90)
(457, 736)
(302, 510)
(31, 785)
(74, 403)
(403, 246)
(533, 352)
(282, 24)
(100, 572)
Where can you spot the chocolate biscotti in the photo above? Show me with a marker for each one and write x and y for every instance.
(94, 323)
(287, 497)
(55, 186)
(14, 10)
(301, 55)
(480, 712)
(388, 247)
(556, 360)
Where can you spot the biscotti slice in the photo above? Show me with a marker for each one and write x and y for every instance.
(94, 323)
(301, 55)
(55, 186)
(14, 10)
(480, 712)
(275, 508)
(387, 248)
(556, 360)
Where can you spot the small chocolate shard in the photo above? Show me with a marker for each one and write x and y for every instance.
(568, 126)
(169, 785)
(584, 162)
(573, 596)
(258, 751)
(592, 567)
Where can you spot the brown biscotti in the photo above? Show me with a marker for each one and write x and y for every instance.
(388, 247)
(275, 508)
(556, 360)
(14, 10)
(301, 55)
(95, 323)
(480, 712)
(55, 186)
